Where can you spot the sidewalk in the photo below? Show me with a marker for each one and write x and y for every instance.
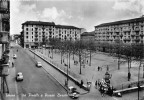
(55, 74)
(90, 73)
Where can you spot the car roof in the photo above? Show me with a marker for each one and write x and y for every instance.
(71, 87)
(19, 73)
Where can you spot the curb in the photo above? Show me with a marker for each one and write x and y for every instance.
(128, 90)
(72, 78)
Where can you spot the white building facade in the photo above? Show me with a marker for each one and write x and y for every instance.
(124, 31)
(36, 32)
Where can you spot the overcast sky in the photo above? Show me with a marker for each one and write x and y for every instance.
(80, 13)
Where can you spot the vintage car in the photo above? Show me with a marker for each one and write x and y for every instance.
(19, 76)
(72, 92)
(38, 64)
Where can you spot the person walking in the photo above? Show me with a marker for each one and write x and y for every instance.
(96, 84)
(98, 68)
(102, 91)
(81, 84)
(12, 64)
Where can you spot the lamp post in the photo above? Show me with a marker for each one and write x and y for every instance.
(80, 56)
(138, 79)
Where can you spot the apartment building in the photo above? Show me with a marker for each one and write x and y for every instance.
(36, 32)
(4, 24)
(124, 31)
(88, 36)
(64, 32)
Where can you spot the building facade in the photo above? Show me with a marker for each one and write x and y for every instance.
(124, 31)
(88, 36)
(36, 32)
(4, 24)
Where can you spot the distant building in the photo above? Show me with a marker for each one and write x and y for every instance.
(88, 36)
(64, 32)
(37, 32)
(124, 31)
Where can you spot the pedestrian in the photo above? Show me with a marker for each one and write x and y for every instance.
(81, 84)
(98, 68)
(12, 64)
(96, 84)
(102, 91)
(107, 68)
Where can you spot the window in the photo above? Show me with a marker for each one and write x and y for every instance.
(32, 29)
(27, 33)
(27, 29)
(32, 36)
(32, 33)
(26, 36)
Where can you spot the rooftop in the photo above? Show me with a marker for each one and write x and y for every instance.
(66, 26)
(121, 22)
(38, 23)
(88, 33)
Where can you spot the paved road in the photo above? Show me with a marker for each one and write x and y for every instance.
(37, 84)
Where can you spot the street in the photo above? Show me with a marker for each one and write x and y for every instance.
(37, 84)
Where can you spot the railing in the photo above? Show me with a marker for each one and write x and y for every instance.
(126, 30)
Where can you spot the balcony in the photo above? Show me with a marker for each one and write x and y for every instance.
(4, 6)
(126, 29)
(137, 39)
(36, 39)
(116, 30)
(36, 35)
(36, 31)
(137, 29)
(36, 28)
(4, 37)
(43, 28)
(141, 35)
(133, 34)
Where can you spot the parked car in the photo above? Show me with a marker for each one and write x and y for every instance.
(38, 64)
(72, 92)
(14, 56)
(19, 76)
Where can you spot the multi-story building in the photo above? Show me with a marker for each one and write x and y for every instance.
(67, 32)
(124, 31)
(4, 24)
(36, 32)
(88, 36)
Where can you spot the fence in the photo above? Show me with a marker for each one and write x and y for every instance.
(129, 85)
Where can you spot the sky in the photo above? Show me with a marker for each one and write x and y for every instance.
(80, 13)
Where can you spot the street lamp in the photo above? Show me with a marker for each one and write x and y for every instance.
(138, 79)
(80, 56)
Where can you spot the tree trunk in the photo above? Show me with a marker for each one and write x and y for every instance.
(90, 59)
